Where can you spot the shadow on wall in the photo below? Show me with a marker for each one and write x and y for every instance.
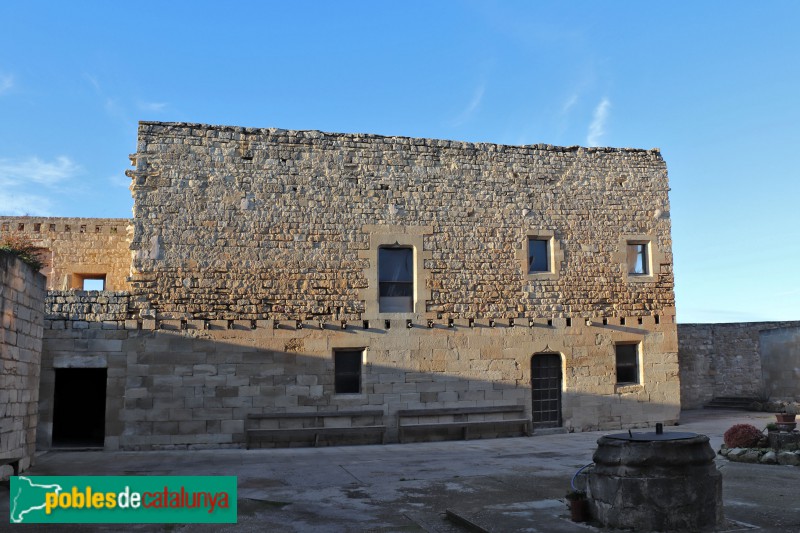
(230, 388)
(780, 363)
(738, 360)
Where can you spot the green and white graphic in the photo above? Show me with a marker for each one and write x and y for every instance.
(122, 499)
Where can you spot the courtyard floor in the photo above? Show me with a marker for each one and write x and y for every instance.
(513, 484)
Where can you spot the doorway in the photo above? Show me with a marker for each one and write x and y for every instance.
(546, 390)
(79, 407)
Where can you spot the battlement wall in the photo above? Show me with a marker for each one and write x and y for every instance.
(76, 249)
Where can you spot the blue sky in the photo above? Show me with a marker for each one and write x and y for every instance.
(715, 85)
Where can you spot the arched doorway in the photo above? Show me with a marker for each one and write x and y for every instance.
(546, 390)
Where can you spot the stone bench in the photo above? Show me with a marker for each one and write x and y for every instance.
(498, 419)
(286, 429)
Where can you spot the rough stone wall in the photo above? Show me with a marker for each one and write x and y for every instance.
(191, 384)
(76, 246)
(264, 223)
(87, 306)
(718, 360)
(780, 363)
(22, 317)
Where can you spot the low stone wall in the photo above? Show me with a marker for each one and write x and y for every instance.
(21, 317)
(788, 454)
(719, 360)
(91, 306)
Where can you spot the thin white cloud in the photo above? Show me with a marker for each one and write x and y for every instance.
(93, 80)
(155, 107)
(598, 126)
(119, 181)
(111, 105)
(14, 172)
(472, 106)
(13, 204)
(6, 82)
(569, 103)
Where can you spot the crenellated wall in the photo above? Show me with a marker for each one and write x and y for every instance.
(74, 248)
(192, 384)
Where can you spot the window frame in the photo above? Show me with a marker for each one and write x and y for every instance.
(637, 363)
(642, 248)
(394, 235)
(555, 255)
(382, 283)
(337, 374)
(548, 248)
(79, 279)
(654, 260)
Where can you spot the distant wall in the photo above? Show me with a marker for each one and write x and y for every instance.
(78, 247)
(22, 318)
(780, 363)
(722, 360)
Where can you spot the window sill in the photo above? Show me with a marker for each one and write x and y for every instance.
(628, 388)
(541, 276)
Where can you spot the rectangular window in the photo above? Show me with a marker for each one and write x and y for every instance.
(627, 363)
(88, 282)
(638, 263)
(347, 371)
(538, 255)
(395, 280)
(91, 284)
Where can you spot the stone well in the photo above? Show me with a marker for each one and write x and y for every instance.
(655, 482)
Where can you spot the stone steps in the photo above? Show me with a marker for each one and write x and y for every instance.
(730, 402)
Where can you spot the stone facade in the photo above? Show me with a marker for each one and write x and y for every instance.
(255, 262)
(78, 248)
(246, 223)
(173, 387)
(728, 360)
(21, 315)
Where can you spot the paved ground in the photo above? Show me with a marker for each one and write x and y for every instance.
(504, 484)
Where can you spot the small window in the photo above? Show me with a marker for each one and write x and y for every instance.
(89, 282)
(538, 255)
(638, 262)
(347, 371)
(395, 280)
(627, 363)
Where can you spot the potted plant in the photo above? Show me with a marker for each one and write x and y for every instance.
(578, 505)
(786, 419)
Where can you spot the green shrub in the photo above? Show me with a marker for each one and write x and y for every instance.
(24, 248)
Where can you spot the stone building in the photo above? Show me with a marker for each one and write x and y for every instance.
(277, 287)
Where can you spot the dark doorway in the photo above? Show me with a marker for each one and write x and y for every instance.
(546, 390)
(79, 407)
